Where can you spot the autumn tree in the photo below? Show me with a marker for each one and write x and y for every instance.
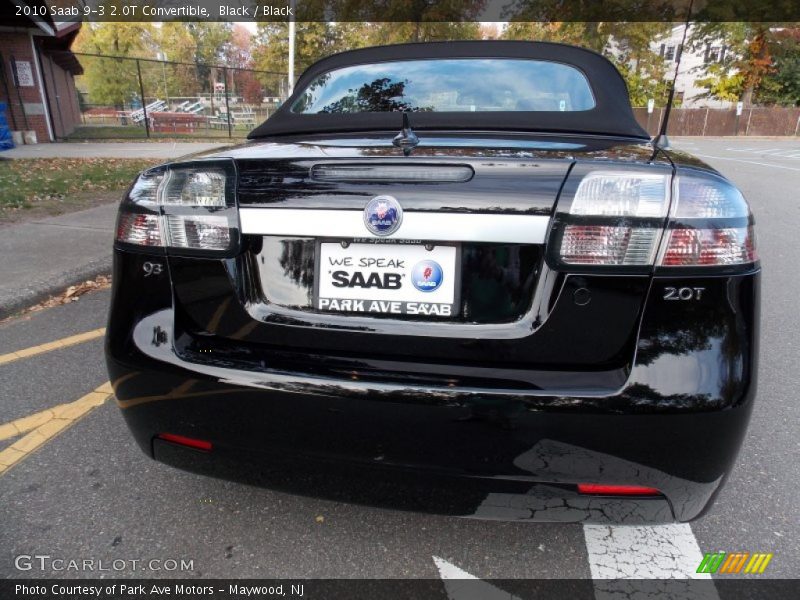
(415, 31)
(176, 43)
(211, 44)
(238, 58)
(313, 40)
(110, 81)
(746, 62)
(782, 85)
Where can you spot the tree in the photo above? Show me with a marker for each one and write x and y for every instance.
(238, 51)
(643, 69)
(109, 81)
(420, 16)
(745, 64)
(239, 56)
(593, 36)
(117, 39)
(248, 85)
(176, 43)
(782, 85)
(313, 41)
(211, 44)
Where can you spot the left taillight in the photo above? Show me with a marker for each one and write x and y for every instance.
(186, 208)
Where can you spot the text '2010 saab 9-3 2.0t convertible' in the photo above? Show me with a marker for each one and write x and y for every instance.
(450, 277)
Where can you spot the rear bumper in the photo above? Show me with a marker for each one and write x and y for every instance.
(675, 423)
(494, 454)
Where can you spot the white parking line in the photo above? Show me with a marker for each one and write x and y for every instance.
(643, 552)
(460, 585)
(644, 562)
(750, 162)
(619, 552)
(792, 153)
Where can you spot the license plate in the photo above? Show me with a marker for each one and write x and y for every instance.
(399, 279)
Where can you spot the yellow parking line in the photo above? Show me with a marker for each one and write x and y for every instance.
(49, 346)
(44, 425)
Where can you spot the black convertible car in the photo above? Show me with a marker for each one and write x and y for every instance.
(453, 277)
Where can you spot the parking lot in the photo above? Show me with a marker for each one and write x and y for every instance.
(85, 491)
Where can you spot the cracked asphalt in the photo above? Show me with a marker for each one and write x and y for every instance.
(90, 493)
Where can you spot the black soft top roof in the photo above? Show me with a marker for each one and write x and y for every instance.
(612, 114)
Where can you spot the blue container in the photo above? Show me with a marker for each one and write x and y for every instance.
(6, 141)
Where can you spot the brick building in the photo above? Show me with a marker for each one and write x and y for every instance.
(37, 71)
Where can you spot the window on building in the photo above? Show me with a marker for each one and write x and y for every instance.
(669, 52)
(714, 54)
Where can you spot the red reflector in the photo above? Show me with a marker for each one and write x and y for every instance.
(185, 441)
(616, 490)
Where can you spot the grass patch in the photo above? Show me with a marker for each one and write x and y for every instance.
(121, 133)
(106, 131)
(48, 186)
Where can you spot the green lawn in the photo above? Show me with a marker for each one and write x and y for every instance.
(106, 132)
(44, 186)
(115, 133)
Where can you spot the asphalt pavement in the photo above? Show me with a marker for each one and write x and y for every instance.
(89, 492)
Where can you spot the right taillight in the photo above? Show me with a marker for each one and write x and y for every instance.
(709, 225)
(636, 218)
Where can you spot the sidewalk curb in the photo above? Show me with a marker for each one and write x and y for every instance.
(23, 298)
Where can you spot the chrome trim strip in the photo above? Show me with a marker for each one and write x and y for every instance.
(433, 226)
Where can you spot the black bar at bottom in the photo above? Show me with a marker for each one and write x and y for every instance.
(397, 589)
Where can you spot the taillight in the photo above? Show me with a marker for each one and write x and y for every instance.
(139, 228)
(611, 218)
(608, 245)
(621, 194)
(709, 225)
(188, 208)
(625, 219)
(705, 247)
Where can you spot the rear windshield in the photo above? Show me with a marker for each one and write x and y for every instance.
(451, 85)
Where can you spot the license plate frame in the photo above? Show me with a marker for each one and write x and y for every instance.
(427, 313)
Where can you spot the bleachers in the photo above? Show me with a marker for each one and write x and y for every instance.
(137, 116)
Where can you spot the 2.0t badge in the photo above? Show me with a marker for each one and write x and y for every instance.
(383, 215)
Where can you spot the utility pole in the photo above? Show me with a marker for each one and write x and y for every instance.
(163, 57)
(227, 104)
(292, 8)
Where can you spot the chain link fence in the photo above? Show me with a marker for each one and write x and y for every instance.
(131, 98)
